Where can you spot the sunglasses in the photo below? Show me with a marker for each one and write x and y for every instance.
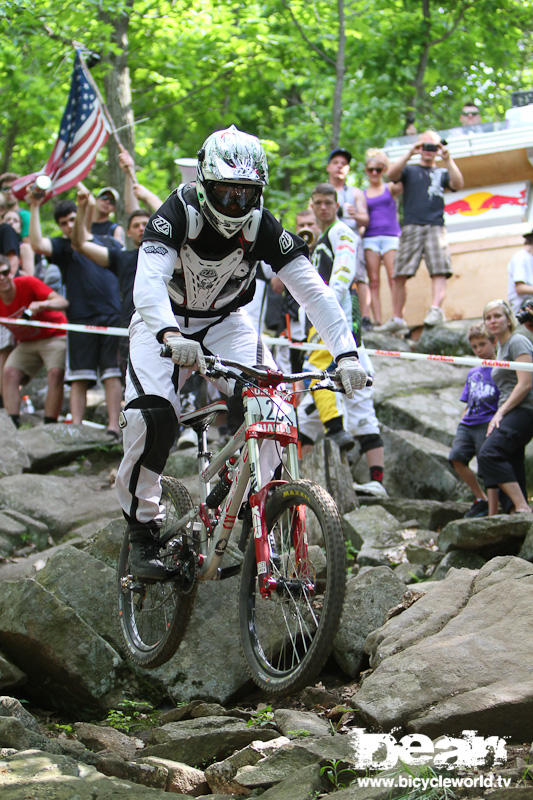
(470, 113)
(377, 170)
(4, 272)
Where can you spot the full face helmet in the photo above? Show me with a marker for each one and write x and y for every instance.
(232, 170)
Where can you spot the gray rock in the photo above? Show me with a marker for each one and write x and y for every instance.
(421, 554)
(457, 559)
(381, 534)
(11, 707)
(61, 655)
(476, 533)
(289, 720)
(50, 499)
(100, 737)
(395, 376)
(450, 338)
(300, 785)
(459, 658)
(329, 468)
(52, 445)
(10, 675)
(417, 467)
(153, 775)
(526, 551)
(430, 514)
(70, 779)
(409, 573)
(221, 775)
(181, 778)
(417, 412)
(368, 598)
(13, 456)
(76, 579)
(199, 740)
(199, 669)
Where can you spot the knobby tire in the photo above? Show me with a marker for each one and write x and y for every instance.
(154, 616)
(287, 638)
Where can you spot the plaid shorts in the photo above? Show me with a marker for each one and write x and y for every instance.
(428, 241)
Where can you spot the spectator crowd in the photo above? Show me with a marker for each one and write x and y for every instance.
(85, 275)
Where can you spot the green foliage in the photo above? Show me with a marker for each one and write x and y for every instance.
(270, 67)
(351, 550)
(261, 718)
(337, 773)
(298, 733)
(131, 715)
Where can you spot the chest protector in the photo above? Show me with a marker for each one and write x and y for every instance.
(207, 283)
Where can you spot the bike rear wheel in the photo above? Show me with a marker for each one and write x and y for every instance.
(154, 615)
(287, 638)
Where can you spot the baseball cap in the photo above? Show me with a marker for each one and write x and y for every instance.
(340, 151)
(108, 190)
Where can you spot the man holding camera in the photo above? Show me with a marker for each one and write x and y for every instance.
(423, 232)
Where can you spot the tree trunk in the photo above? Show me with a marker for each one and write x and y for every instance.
(340, 69)
(118, 100)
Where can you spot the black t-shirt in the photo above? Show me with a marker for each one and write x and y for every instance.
(124, 264)
(92, 291)
(423, 194)
(9, 240)
(106, 228)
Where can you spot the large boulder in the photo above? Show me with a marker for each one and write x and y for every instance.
(369, 596)
(502, 530)
(416, 412)
(417, 467)
(48, 446)
(458, 658)
(60, 503)
(66, 662)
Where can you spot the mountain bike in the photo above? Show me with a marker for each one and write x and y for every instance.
(293, 573)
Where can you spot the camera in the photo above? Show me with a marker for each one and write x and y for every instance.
(429, 147)
(27, 313)
(525, 314)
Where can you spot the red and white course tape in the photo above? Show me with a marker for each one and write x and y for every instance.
(466, 361)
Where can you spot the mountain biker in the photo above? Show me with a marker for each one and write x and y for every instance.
(196, 270)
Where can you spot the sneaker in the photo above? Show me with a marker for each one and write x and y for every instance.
(434, 316)
(395, 325)
(188, 438)
(479, 508)
(144, 553)
(374, 488)
(366, 324)
(342, 439)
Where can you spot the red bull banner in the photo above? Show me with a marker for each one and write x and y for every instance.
(487, 206)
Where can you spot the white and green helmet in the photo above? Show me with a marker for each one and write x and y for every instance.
(232, 170)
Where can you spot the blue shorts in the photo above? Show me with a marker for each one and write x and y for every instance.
(381, 244)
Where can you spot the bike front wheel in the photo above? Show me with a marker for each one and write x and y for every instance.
(287, 637)
(154, 615)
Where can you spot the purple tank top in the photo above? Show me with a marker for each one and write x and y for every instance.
(383, 219)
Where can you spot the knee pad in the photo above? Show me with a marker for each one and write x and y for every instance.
(161, 426)
(369, 441)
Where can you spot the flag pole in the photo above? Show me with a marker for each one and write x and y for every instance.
(105, 109)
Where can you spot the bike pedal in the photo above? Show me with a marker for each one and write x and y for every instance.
(228, 572)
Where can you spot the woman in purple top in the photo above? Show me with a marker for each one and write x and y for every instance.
(380, 240)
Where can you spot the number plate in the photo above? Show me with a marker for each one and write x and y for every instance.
(273, 409)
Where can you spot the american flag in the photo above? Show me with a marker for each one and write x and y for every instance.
(84, 129)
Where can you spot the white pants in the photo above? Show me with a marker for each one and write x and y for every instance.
(149, 420)
(358, 414)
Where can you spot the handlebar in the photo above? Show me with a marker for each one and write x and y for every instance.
(224, 368)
